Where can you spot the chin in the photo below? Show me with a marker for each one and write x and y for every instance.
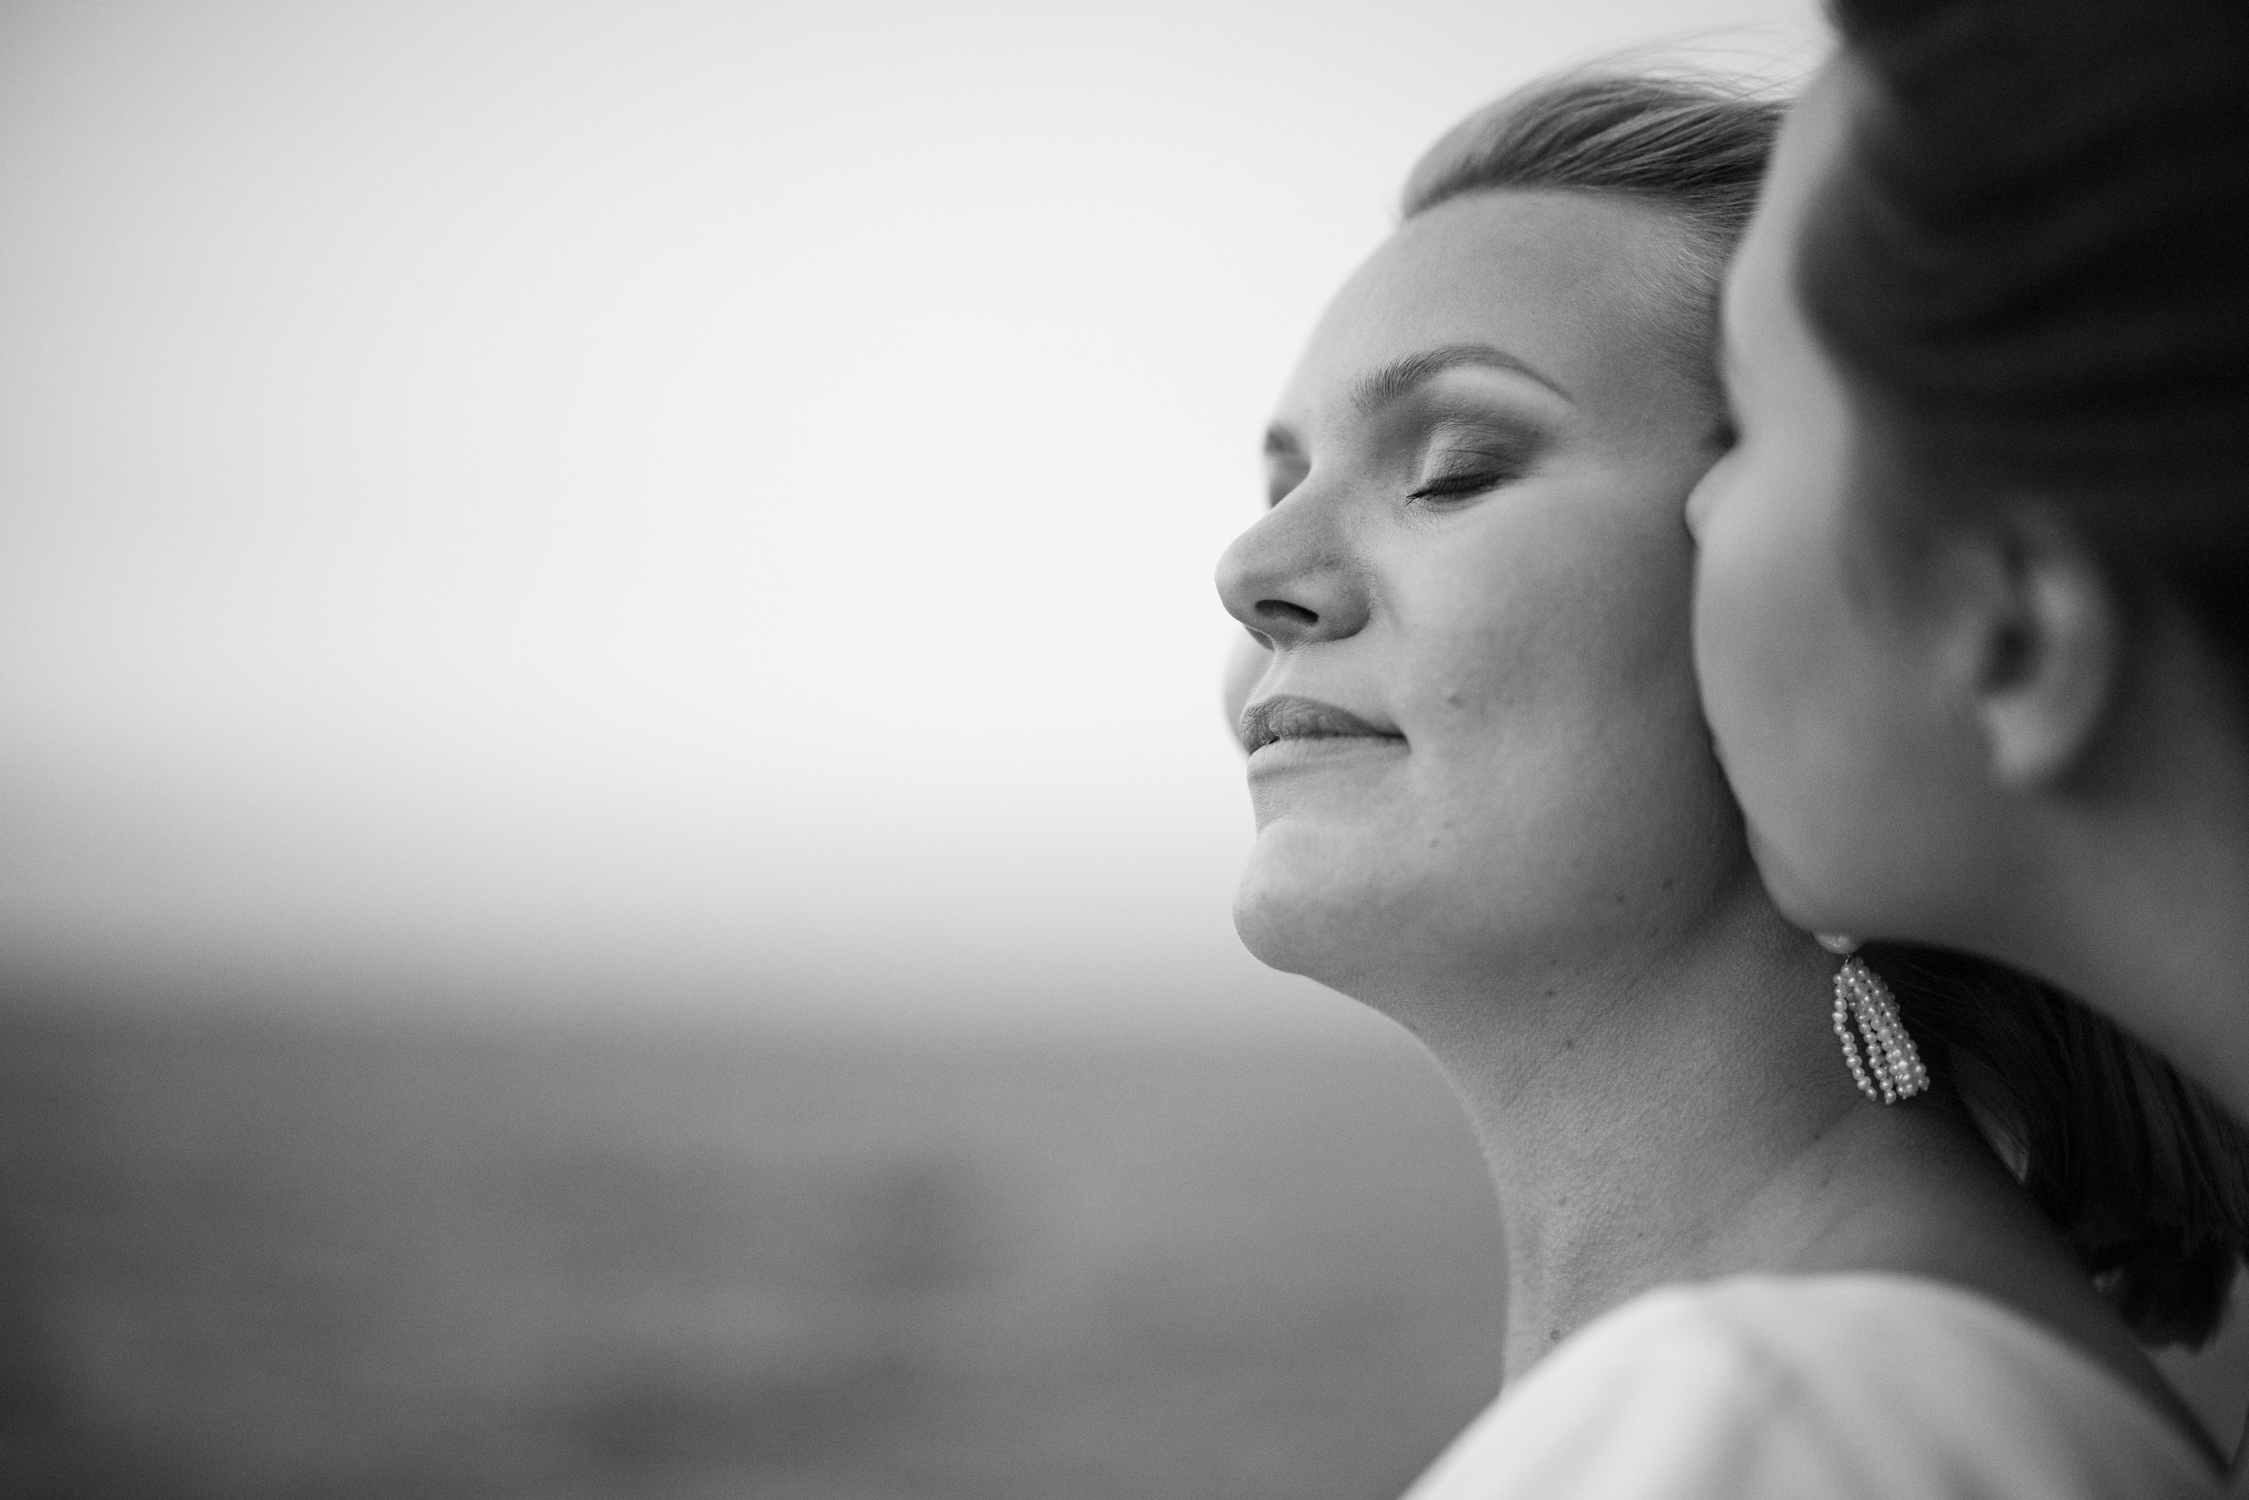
(1296, 916)
(1274, 924)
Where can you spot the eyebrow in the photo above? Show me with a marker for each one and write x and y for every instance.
(1374, 391)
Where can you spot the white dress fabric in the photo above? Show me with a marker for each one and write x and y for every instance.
(1857, 1387)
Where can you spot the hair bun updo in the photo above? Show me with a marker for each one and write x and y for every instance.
(2028, 262)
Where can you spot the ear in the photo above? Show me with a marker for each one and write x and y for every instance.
(2046, 643)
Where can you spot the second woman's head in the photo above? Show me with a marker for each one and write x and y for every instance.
(1973, 613)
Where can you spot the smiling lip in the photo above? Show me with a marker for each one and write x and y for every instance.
(1285, 716)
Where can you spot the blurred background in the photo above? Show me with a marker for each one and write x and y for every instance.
(614, 834)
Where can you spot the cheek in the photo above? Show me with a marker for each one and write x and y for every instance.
(1567, 640)
(1764, 585)
(1787, 686)
(1568, 733)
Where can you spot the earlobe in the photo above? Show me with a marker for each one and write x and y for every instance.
(2050, 649)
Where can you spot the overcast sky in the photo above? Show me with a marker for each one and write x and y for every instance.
(659, 503)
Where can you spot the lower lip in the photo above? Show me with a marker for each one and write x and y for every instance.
(1306, 752)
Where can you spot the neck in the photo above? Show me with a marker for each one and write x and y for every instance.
(2136, 891)
(2155, 930)
(1644, 1120)
(1684, 1114)
(1689, 1116)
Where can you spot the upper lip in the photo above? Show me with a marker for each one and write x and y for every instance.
(1287, 716)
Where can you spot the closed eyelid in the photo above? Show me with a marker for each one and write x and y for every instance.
(1426, 429)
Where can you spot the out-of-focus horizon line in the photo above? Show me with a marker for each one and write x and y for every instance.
(426, 991)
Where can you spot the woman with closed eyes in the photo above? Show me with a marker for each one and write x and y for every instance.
(1777, 1221)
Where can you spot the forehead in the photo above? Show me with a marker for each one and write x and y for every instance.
(1580, 285)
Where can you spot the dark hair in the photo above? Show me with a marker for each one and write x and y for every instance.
(2143, 1175)
(2029, 263)
(2143, 1172)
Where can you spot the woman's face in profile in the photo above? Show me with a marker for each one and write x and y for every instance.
(1475, 736)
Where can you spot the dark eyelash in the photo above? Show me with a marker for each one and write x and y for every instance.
(1446, 486)
(1492, 470)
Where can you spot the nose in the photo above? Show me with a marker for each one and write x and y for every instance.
(1290, 578)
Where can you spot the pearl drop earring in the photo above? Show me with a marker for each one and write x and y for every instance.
(1876, 1046)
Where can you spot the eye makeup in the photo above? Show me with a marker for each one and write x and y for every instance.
(1450, 446)
(1459, 457)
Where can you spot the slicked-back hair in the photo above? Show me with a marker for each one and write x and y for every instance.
(1694, 148)
(1693, 145)
(2140, 1171)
